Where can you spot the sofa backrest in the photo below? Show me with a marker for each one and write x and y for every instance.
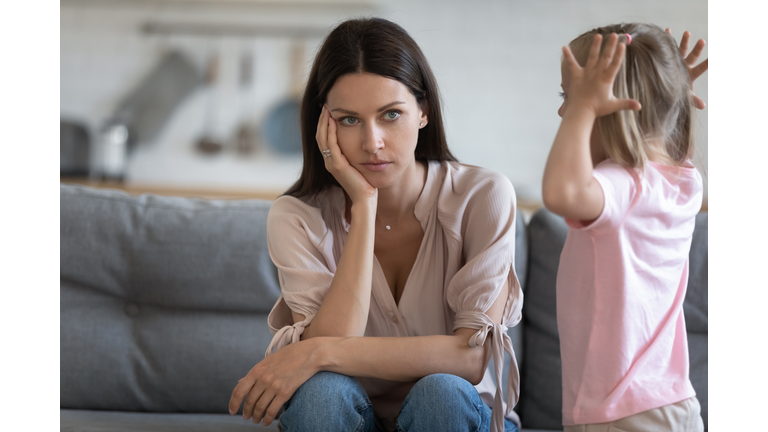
(540, 404)
(163, 300)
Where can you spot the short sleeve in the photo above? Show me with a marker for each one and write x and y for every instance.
(487, 232)
(300, 245)
(620, 187)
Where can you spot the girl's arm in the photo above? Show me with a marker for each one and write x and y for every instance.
(344, 310)
(274, 380)
(568, 188)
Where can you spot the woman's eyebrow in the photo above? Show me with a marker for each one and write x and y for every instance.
(384, 108)
(390, 105)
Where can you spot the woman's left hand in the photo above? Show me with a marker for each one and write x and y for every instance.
(690, 60)
(269, 384)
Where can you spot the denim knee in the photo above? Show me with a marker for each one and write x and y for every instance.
(327, 402)
(441, 402)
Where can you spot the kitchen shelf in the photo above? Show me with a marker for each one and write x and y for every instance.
(361, 6)
(212, 193)
(238, 30)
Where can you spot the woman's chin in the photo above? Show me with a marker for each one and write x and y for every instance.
(379, 180)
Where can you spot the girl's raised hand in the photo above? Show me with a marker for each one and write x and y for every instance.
(690, 60)
(591, 87)
(356, 186)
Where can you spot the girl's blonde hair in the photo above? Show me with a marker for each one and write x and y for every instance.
(655, 74)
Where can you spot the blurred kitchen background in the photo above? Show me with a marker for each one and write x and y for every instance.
(199, 97)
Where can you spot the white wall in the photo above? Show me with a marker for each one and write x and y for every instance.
(497, 63)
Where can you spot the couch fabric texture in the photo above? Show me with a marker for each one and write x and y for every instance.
(164, 305)
(163, 300)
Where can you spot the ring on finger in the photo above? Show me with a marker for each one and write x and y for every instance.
(326, 153)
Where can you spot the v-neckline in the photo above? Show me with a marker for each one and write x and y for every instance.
(419, 209)
(396, 304)
(425, 192)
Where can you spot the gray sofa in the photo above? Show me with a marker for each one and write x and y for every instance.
(164, 303)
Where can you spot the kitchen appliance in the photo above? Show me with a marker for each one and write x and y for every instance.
(74, 149)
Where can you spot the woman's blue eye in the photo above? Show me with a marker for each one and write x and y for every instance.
(391, 115)
(349, 120)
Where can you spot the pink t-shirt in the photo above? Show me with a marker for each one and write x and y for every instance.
(620, 289)
(467, 254)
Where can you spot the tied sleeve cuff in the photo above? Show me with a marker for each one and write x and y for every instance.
(287, 335)
(500, 342)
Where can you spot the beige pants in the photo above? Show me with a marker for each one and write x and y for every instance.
(682, 416)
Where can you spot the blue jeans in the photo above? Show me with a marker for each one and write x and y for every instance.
(333, 402)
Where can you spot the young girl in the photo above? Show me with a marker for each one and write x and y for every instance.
(619, 171)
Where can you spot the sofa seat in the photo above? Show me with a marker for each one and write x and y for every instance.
(119, 421)
(122, 421)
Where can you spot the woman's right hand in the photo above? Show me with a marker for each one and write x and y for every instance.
(356, 186)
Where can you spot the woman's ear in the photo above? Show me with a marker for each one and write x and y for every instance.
(424, 114)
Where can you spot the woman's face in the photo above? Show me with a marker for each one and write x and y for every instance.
(378, 122)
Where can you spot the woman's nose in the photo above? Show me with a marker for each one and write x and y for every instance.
(373, 140)
(561, 110)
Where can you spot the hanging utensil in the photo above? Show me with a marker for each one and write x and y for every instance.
(245, 139)
(282, 127)
(207, 144)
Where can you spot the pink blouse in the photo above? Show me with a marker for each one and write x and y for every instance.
(467, 214)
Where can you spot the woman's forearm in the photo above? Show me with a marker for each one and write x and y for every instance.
(344, 311)
(404, 359)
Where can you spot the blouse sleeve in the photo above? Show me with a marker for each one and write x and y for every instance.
(487, 230)
(300, 245)
(621, 187)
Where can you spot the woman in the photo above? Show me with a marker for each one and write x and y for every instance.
(395, 261)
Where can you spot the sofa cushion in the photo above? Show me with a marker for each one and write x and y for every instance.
(541, 391)
(100, 421)
(696, 312)
(698, 348)
(696, 298)
(541, 380)
(163, 300)
(168, 251)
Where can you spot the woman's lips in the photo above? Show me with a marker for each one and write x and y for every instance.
(376, 166)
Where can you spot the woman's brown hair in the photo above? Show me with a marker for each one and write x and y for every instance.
(376, 46)
(655, 74)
